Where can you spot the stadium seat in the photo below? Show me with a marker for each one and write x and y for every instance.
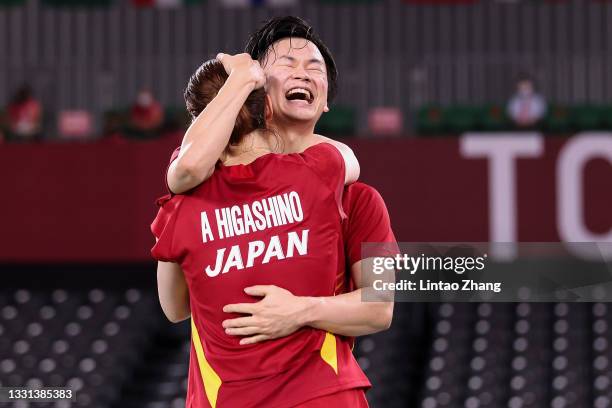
(57, 338)
(460, 119)
(339, 121)
(114, 121)
(110, 347)
(518, 355)
(586, 117)
(430, 120)
(176, 118)
(3, 122)
(606, 117)
(557, 120)
(78, 3)
(493, 118)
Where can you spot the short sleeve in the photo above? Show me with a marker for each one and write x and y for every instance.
(173, 157)
(163, 228)
(325, 160)
(368, 221)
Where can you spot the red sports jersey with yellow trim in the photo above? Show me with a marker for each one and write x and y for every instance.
(276, 221)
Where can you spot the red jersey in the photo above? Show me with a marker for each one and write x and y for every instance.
(367, 221)
(275, 221)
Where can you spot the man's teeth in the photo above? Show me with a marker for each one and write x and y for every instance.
(300, 90)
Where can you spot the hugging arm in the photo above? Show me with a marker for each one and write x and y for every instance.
(209, 133)
(357, 313)
(280, 313)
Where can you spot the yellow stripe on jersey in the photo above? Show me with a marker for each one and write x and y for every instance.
(328, 351)
(211, 380)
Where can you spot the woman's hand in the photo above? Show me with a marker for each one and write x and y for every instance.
(243, 64)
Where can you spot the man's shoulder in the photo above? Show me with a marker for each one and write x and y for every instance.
(360, 189)
(359, 196)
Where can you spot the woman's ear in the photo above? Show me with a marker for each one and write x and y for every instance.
(269, 111)
(326, 108)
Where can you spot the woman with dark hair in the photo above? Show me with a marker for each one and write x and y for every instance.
(262, 221)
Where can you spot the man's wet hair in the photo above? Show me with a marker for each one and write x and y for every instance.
(279, 28)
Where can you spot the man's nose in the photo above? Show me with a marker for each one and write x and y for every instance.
(301, 73)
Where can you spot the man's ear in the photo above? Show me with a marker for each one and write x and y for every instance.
(326, 108)
(268, 110)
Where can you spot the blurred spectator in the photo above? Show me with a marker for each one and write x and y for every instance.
(526, 107)
(24, 116)
(146, 115)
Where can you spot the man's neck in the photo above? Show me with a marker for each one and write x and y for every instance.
(295, 136)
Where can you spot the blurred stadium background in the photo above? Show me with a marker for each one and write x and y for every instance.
(420, 82)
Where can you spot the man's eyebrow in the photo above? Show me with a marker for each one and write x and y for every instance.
(289, 57)
(293, 59)
(315, 60)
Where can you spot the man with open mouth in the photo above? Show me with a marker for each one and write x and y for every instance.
(300, 79)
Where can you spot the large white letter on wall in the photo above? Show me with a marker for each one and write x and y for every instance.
(573, 158)
(502, 150)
